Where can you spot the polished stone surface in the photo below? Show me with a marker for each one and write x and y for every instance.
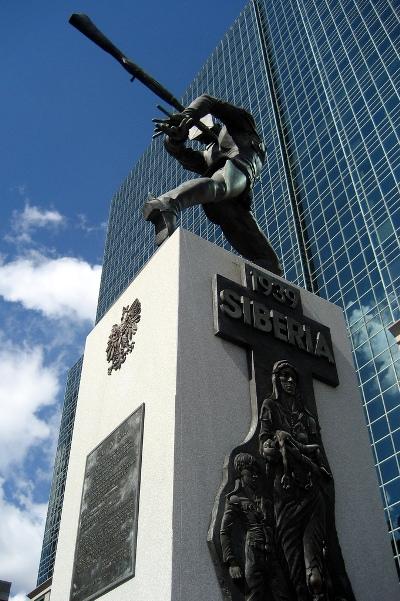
(198, 407)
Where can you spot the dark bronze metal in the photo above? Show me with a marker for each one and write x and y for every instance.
(84, 24)
(88, 28)
(163, 110)
(158, 132)
(120, 342)
(5, 588)
(105, 550)
(272, 534)
(229, 167)
(269, 322)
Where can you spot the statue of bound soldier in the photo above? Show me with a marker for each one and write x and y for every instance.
(229, 167)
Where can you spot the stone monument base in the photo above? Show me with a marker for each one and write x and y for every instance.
(191, 401)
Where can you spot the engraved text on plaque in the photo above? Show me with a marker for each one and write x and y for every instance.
(106, 542)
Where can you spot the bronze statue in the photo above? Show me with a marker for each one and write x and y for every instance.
(246, 509)
(229, 166)
(289, 442)
(298, 501)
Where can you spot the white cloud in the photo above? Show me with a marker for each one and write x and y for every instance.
(21, 535)
(27, 386)
(370, 329)
(31, 218)
(83, 224)
(58, 288)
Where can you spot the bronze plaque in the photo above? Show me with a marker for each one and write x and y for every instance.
(106, 543)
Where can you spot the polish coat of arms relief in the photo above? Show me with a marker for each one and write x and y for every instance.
(120, 342)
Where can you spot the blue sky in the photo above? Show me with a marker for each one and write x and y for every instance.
(72, 127)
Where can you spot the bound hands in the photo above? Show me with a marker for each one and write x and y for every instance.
(176, 127)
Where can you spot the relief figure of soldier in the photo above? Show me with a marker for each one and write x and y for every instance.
(248, 510)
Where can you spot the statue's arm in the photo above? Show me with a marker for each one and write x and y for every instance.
(267, 426)
(192, 160)
(228, 521)
(235, 118)
(205, 104)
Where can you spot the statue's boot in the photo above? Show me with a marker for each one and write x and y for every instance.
(163, 211)
(270, 263)
(163, 216)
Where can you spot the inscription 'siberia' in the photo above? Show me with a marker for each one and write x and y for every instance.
(120, 340)
(272, 533)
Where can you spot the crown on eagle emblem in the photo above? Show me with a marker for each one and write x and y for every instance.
(120, 340)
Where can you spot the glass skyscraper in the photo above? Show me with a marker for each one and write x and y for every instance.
(56, 497)
(322, 81)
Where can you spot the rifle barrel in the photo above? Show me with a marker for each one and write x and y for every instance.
(86, 26)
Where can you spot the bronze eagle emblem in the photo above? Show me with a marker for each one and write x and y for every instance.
(120, 341)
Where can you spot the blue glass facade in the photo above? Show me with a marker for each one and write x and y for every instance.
(320, 79)
(59, 474)
(336, 72)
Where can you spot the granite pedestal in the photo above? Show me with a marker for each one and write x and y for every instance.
(197, 406)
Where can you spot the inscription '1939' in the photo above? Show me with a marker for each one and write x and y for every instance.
(284, 295)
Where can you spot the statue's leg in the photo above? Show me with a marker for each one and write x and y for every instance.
(219, 193)
(243, 233)
(228, 182)
(163, 211)
(291, 540)
(278, 582)
(313, 540)
(255, 572)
